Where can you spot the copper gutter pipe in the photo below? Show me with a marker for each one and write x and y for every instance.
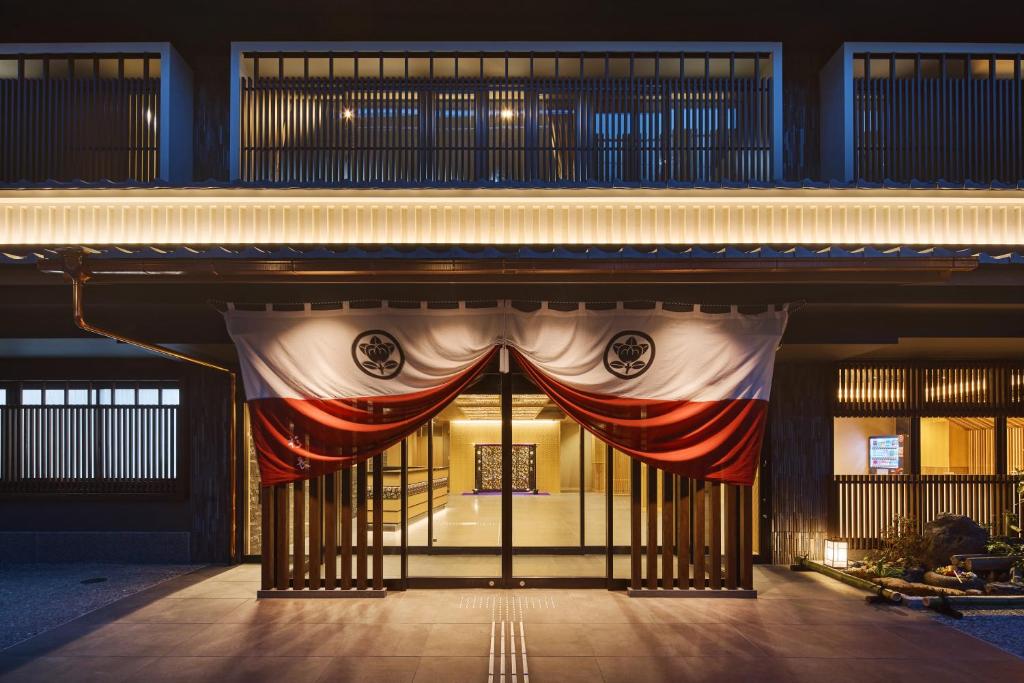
(78, 277)
(533, 271)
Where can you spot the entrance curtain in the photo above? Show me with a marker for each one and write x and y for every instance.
(328, 388)
(683, 390)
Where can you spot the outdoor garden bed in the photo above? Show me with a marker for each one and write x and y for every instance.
(953, 560)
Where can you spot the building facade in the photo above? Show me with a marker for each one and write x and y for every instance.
(578, 174)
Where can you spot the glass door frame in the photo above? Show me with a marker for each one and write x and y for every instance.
(508, 577)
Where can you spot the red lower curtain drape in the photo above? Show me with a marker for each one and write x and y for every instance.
(713, 440)
(303, 438)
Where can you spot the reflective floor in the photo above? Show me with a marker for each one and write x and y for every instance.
(208, 626)
(467, 538)
(537, 520)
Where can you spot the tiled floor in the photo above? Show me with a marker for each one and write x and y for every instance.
(208, 627)
(542, 520)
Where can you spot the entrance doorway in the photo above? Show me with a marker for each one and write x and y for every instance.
(501, 489)
(546, 527)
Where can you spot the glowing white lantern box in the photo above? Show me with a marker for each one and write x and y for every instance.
(836, 554)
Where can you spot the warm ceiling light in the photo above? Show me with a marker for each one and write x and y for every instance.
(506, 114)
(347, 114)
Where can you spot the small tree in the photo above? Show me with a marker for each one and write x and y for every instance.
(902, 546)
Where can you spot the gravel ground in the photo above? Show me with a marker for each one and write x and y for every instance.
(37, 597)
(1003, 628)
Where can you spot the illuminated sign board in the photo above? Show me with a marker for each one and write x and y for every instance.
(885, 454)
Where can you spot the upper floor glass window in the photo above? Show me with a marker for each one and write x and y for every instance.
(957, 445)
(442, 120)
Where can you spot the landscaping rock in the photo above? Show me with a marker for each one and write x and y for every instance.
(914, 575)
(933, 579)
(1004, 588)
(949, 535)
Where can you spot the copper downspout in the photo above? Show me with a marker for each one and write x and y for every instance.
(78, 279)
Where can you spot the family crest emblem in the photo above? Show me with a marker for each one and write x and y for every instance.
(378, 354)
(629, 354)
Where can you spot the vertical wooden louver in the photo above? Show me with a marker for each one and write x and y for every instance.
(980, 398)
(874, 389)
(926, 389)
(958, 390)
(78, 438)
(954, 117)
(1015, 388)
(79, 117)
(483, 119)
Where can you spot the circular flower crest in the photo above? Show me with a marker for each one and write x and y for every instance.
(629, 354)
(378, 354)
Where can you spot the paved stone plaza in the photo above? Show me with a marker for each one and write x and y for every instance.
(207, 626)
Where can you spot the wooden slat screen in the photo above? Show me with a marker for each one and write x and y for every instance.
(955, 117)
(958, 386)
(79, 117)
(98, 438)
(706, 531)
(705, 538)
(957, 389)
(302, 548)
(1015, 387)
(866, 504)
(1014, 445)
(874, 389)
(797, 461)
(589, 119)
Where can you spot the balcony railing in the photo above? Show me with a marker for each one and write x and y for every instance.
(581, 119)
(952, 113)
(80, 117)
(94, 112)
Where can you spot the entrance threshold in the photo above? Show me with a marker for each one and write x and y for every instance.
(690, 593)
(324, 593)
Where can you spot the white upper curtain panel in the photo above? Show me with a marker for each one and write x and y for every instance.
(347, 352)
(652, 353)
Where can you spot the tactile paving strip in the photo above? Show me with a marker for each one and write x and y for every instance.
(507, 661)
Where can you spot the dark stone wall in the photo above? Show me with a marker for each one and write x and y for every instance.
(192, 527)
(797, 461)
(210, 476)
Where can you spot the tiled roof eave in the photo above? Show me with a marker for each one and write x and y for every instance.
(781, 255)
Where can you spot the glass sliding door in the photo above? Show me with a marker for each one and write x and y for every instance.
(558, 493)
(548, 522)
(454, 501)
